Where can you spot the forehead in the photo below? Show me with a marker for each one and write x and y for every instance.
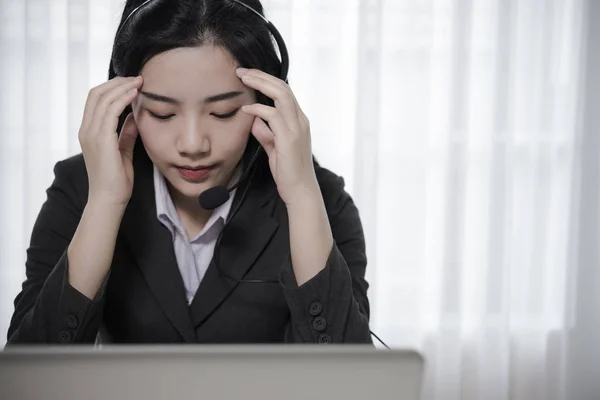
(191, 73)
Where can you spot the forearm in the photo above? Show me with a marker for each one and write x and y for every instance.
(311, 239)
(91, 250)
(323, 280)
(329, 308)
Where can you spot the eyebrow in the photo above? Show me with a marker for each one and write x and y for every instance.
(211, 99)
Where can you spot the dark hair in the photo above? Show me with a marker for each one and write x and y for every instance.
(162, 25)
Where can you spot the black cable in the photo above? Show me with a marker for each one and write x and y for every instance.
(380, 341)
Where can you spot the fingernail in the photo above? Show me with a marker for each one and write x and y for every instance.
(242, 71)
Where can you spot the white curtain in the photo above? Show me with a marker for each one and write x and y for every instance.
(463, 129)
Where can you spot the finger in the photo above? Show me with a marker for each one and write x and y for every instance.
(277, 90)
(95, 94)
(269, 114)
(111, 96)
(107, 104)
(128, 136)
(263, 134)
(275, 80)
(259, 74)
(111, 117)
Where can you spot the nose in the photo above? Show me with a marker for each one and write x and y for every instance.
(193, 141)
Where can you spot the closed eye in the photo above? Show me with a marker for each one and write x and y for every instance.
(160, 117)
(219, 116)
(228, 115)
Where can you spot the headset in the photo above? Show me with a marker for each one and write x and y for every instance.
(216, 196)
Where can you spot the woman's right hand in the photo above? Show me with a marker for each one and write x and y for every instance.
(108, 157)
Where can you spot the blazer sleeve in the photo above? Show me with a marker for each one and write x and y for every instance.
(332, 307)
(48, 309)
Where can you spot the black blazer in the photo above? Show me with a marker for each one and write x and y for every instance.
(143, 298)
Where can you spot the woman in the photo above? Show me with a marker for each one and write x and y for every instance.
(132, 258)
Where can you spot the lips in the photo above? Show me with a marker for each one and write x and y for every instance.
(194, 174)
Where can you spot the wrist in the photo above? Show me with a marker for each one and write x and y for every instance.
(307, 195)
(104, 204)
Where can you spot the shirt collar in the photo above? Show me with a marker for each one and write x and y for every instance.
(167, 214)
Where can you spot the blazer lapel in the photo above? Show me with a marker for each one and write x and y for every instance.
(152, 246)
(244, 238)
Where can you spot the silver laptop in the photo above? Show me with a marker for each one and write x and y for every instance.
(290, 372)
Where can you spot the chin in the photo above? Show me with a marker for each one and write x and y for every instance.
(192, 189)
(189, 189)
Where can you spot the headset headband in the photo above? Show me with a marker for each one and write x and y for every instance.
(274, 32)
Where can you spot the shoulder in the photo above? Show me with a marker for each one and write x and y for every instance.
(71, 165)
(343, 214)
(331, 184)
(70, 175)
(333, 190)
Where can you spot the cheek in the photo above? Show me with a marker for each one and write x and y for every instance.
(230, 145)
(155, 141)
(242, 133)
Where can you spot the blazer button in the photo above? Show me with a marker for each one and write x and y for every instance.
(324, 338)
(315, 308)
(72, 321)
(65, 336)
(319, 324)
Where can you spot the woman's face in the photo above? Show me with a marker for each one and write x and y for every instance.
(189, 118)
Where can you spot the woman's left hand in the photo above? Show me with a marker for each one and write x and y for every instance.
(287, 138)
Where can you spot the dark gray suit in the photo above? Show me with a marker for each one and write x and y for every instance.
(143, 299)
